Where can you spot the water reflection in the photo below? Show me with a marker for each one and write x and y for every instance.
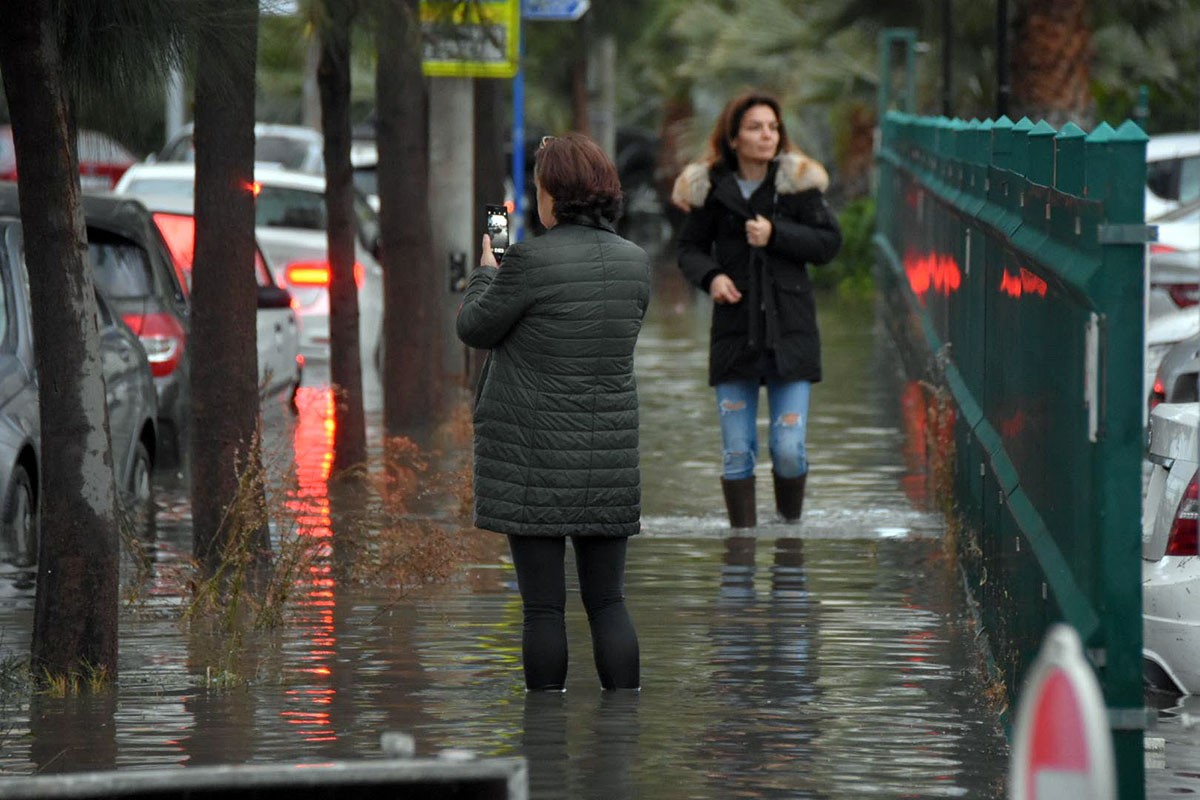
(830, 659)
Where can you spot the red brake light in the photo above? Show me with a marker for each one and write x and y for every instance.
(1157, 248)
(1183, 540)
(317, 273)
(1184, 295)
(162, 338)
(1157, 394)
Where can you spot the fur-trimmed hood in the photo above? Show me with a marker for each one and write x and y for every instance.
(796, 173)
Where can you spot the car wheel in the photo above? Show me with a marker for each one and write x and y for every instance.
(20, 518)
(141, 490)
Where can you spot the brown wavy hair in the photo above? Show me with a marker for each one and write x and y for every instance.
(581, 178)
(730, 121)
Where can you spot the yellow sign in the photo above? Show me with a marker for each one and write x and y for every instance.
(470, 38)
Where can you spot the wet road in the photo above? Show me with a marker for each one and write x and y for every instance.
(834, 659)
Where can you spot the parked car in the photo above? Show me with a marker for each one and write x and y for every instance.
(129, 394)
(1165, 330)
(132, 269)
(290, 146)
(1170, 567)
(102, 159)
(290, 224)
(1177, 375)
(280, 365)
(1172, 171)
(1174, 282)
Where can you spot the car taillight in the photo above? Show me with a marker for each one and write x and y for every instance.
(1184, 294)
(316, 273)
(1183, 540)
(162, 338)
(1157, 248)
(1157, 394)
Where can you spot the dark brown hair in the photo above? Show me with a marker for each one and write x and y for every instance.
(730, 122)
(580, 177)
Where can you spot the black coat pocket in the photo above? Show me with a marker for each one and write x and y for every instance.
(795, 305)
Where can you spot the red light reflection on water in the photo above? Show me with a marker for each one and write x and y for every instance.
(1023, 283)
(309, 501)
(928, 442)
(936, 272)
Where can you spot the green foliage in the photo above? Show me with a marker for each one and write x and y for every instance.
(850, 272)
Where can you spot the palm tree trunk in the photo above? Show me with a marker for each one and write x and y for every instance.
(413, 302)
(75, 615)
(228, 496)
(345, 368)
(1051, 62)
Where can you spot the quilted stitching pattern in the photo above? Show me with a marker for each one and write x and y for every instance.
(556, 419)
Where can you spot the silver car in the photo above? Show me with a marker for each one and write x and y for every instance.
(1177, 375)
(129, 394)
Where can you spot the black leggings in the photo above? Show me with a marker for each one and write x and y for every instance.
(601, 566)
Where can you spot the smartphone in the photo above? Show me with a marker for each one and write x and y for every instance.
(496, 226)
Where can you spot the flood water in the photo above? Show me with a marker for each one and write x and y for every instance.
(831, 659)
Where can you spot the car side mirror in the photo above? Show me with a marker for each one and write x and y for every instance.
(274, 297)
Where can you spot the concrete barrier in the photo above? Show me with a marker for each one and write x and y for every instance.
(461, 778)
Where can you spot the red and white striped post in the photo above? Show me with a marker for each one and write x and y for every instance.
(1062, 747)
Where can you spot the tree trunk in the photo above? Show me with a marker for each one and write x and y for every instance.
(412, 316)
(228, 496)
(75, 612)
(1051, 62)
(345, 365)
(490, 169)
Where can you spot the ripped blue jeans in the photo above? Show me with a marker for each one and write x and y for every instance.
(737, 406)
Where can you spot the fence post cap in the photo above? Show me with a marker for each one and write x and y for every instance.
(987, 124)
(1023, 124)
(1071, 131)
(1003, 123)
(1043, 128)
(1130, 131)
(1102, 134)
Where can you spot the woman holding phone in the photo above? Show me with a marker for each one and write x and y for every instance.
(556, 410)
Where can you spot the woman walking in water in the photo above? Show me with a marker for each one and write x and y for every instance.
(756, 219)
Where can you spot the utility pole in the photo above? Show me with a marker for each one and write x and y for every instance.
(452, 196)
(947, 58)
(1003, 84)
(601, 87)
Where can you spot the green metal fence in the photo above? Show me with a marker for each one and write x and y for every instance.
(1013, 255)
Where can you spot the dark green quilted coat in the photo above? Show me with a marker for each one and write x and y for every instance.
(556, 414)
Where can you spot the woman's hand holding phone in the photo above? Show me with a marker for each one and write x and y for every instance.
(486, 258)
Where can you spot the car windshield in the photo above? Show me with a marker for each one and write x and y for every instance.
(291, 153)
(161, 187)
(365, 180)
(278, 207)
(122, 269)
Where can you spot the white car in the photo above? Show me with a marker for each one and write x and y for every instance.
(290, 146)
(1170, 552)
(1164, 330)
(1172, 171)
(290, 225)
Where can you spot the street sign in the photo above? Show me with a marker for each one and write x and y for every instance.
(1062, 747)
(555, 10)
(480, 39)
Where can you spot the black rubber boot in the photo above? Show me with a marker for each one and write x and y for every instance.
(739, 501)
(789, 496)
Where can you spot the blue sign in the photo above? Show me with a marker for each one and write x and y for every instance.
(555, 10)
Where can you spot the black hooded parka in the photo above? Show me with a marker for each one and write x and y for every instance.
(772, 332)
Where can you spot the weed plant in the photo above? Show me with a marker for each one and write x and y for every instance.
(394, 524)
